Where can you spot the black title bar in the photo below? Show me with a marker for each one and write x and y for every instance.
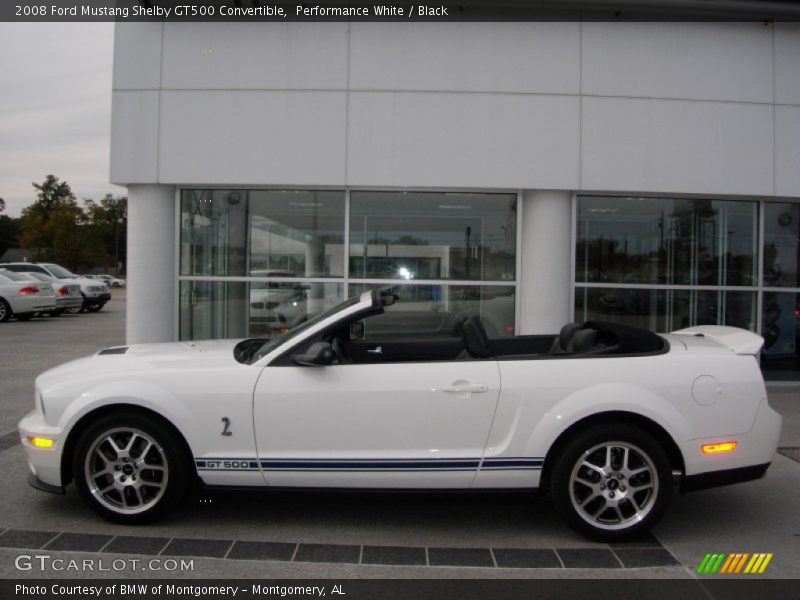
(466, 10)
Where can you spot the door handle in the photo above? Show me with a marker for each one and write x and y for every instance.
(475, 388)
(375, 350)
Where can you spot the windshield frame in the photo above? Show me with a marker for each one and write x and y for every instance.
(293, 334)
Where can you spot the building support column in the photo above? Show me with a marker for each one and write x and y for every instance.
(544, 281)
(152, 280)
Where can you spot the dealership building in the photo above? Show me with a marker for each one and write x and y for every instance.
(533, 173)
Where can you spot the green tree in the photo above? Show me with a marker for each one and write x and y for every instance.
(109, 220)
(55, 227)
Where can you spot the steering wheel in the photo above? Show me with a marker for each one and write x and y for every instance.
(338, 350)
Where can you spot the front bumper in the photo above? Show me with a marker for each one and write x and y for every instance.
(40, 485)
(44, 463)
(703, 481)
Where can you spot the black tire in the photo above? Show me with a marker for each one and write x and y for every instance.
(158, 490)
(94, 307)
(24, 316)
(633, 504)
(5, 311)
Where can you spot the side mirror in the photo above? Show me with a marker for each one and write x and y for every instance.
(318, 354)
(357, 330)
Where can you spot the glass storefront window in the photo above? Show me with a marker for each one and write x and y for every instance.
(237, 309)
(439, 310)
(263, 233)
(296, 233)
(666, 310)
(212, 310)
(213, 232)
(432, 235)
(780, 328)
(666, 241)
(277, 306)
(781, 244)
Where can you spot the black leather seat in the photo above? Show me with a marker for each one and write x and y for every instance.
(563, 340)
(583, 341)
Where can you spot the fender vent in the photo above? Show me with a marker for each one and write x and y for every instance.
(117, 350)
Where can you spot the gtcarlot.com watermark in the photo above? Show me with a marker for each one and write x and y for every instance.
(47, 563)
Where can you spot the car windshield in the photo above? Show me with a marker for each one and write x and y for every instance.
(59, 272)
(285, 337)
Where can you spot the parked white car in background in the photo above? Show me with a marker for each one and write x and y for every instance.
(68, 295)
(95, 293)
(21, 297)
(607, 417)
(110, 281)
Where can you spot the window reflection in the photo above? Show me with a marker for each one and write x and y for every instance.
(397, 235)
(439, 310)
(296, 233)
(666, 310)
(781, 244)
(780, 328)
(666, 241)
(213, 232)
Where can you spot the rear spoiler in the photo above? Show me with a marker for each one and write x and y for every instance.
(740, 341)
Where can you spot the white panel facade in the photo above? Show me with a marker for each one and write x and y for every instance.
(787, 63)
(787, 151)
(134, 134)
(137, 56)
(225, 137)
(255, 56)
(467, 140)
(698, 61)
(512, 57)
(677, 146)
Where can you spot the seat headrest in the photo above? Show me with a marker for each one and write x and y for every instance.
(474, 341)
(566, 334)
(481, 329)
(583, 341)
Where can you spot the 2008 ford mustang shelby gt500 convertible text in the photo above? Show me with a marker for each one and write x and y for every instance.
(606, 417)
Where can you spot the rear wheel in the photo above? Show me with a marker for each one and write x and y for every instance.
(612, 482)
(94, 307)
(130, 469)
(5, 311)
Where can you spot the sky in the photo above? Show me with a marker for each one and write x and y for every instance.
(55, 108)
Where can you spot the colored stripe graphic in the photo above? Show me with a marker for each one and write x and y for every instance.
(734, 563)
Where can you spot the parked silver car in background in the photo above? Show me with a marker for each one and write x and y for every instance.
(95, 293)
(21, 297)
(68, 295)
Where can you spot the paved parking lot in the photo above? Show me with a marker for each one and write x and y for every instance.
(337, 535)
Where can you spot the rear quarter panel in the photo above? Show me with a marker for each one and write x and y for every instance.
(541, 398)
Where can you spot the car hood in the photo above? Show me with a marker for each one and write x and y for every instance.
(126, 360)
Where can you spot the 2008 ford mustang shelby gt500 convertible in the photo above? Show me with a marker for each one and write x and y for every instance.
(607, 417)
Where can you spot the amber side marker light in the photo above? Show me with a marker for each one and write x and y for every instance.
(718, 447)
(40, 442)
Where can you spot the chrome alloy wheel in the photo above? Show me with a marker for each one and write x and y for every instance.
(613, 485)
(126, 470)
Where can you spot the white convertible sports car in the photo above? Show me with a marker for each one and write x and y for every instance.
(606, 417)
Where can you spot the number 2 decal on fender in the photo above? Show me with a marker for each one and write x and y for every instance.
(226, 426)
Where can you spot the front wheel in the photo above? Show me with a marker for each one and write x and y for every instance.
(612, 482)
(94, 307)
(130, 469)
